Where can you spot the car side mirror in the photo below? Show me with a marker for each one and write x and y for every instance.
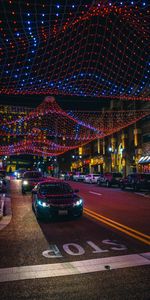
(76, 191)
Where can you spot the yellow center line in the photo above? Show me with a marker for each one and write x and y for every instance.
(119, 224)
(129, 231)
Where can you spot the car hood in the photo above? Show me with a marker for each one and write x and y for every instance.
(60, 198)
(33, 179)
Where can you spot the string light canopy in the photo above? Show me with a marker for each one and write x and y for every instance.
(78, 48)
(48, 130)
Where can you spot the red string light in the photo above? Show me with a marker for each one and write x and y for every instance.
(48, 130)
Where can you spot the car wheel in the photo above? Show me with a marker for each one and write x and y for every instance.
(122, 187)
(38, 216)
(78, 216)
(33, 207)
(136, 188)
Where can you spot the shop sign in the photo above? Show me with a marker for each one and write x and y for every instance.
(97, 160)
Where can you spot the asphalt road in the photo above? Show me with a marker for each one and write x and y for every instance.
(103, 255)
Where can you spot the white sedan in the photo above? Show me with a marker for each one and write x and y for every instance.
(91, 178)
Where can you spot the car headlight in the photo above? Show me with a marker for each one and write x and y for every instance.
(78, 202)
(25, 182)
(15, 173)
(43, 204)
(1, 182)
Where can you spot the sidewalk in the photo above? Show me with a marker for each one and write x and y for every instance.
(5, 211)
(145, 194)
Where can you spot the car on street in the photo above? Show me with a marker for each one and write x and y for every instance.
(3, 181)
(110, 179)
(3, 174)
(79, 177)
(136, 181)
(91, 178)
(56, 198)
(19, 173)
(2, 185)
(30, 179)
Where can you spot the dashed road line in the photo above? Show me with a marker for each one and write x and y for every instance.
(95, 193)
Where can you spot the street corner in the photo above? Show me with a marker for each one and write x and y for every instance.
(5, 211)
(147, 194)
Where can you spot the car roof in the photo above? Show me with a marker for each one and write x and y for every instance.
(32, 172)
(51, 180)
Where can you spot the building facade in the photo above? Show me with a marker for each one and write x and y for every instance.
(126, 151)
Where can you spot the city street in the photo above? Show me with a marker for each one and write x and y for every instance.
(74, 150)
(102, 255)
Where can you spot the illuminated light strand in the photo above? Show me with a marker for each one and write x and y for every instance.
(30, 66)
(56, 131)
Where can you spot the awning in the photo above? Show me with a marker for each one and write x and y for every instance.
(144, 160)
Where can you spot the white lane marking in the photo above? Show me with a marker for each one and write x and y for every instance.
(95, 193)
(74, 267)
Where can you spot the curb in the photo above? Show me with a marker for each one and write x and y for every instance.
(146, 195)
(5, 211)
(2, 207)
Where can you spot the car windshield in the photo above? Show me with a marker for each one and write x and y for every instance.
(33, 175)
(20, 171)
(55, 188)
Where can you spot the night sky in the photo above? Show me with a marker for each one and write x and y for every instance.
(67, 102)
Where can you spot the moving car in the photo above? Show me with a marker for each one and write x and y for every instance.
(19, 173)
(110, 179)
(30, 179)
(136, 181)
(56, 198)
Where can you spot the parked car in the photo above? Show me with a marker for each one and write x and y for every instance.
(79, 177)
(56, 198)
(30, 179)
(3, 174)
(2, 185)
(91, 178)
(19, 173)
(136, 181)
(110, 179)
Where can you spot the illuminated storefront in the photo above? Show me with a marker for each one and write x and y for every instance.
(144, 164)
